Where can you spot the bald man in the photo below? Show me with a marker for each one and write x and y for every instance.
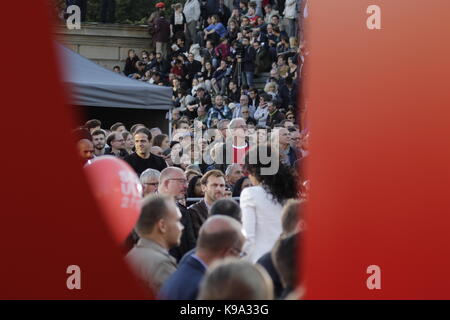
(173, 183)
(85, 150)
(220, 237)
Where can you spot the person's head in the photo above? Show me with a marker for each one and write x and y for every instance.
(178, 7)
(150, 181)
(219, 237)
(233, 173)
(155, 131)
(245, 41)
(295, 138)
(292, 217)
(290, 117)
(157, 151)
(191, 57)
(271, 106)
(176, 114)
(268, 8)
(215, 19)
(227, 207)
(245, 113)
(85, 149)
(142, 138)
(241, 184)
(173, 182)
(213, 185)
(236, 279)
(243, 100)
(93, 125)
(118, 127)
(291, 62)
(116, 141)
(245, 21)
(99, 139)
(275, 20)
(253, 93)
(201, 111)
(129, 141)
(131, 53)
(271, 87)
(160, 220)
(237, 128)
(263, 166)
(182, 125)
(161, 140)
(222, 126)
(194, 189)
(136, 127)
(283, 136)
(256, 45)
(285, 259)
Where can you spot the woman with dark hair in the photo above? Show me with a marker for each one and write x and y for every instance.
(162, 141)
(194, 189)
(130, 63)
(240, 185)
(262, 204)
(129, 142)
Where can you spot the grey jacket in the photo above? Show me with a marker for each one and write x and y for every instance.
(152, 263)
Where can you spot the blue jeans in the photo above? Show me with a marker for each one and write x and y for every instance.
(248, 78)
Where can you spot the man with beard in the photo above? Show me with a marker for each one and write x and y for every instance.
(143, 159)
(86, 150)
(117, 145)
(173, 183)
(99, 141)
(213, 186)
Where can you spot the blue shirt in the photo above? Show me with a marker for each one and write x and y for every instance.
(219, 28)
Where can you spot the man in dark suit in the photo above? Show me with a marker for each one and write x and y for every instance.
(220, 237)
(213, 185)
(263, 62)
(142, 159)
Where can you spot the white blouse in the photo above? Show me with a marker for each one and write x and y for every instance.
(261, 219)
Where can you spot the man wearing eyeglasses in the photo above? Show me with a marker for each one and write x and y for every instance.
(173, 183)
(150, 181)
(116, 144)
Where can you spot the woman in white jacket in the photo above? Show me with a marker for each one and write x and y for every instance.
(262, 204)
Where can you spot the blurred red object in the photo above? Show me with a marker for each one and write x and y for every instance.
(118, 191)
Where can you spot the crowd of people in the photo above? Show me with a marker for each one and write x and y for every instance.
(224, 192)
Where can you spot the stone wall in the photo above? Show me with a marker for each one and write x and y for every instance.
(106, 44)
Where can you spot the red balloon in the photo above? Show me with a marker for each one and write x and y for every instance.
(117, 189)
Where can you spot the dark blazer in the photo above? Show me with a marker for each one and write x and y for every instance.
(248, 61)
(184, 283)
(199, 213)
(266, 262)
(277, 117)
(262, 61)
(188, 237)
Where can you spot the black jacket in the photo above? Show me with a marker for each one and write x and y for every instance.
(188, 238)
(199, 213)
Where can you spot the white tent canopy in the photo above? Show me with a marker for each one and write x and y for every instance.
(92, 85)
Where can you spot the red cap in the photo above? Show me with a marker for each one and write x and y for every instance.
(160, 5)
